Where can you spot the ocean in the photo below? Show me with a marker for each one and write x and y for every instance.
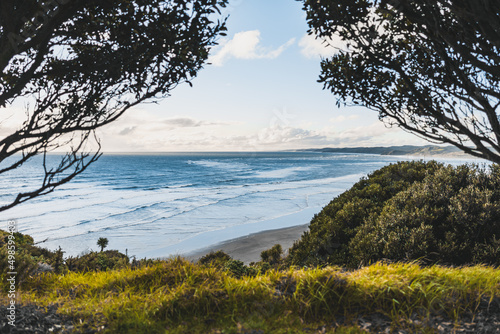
(152, 205)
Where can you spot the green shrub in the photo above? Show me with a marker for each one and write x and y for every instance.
(27, 256)
(409, 211)
(452, 217)
(238, 269)
(215, 259)
(94, 261)
(24, 264)
(260, 267)
(273, 255)
(330, 231)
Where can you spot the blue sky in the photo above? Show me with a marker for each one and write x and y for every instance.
(259, 94)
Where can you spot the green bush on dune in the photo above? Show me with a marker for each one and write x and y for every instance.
(452, 217)
(330, 231)
(110, 259)
(409, 211)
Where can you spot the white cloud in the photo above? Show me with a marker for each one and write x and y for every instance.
(186, 122)
(182, 122)
(312, 47)
(365, 133)
(342, 118)
(279, 135)
(149, 132)
(127, 131)
(246, 45)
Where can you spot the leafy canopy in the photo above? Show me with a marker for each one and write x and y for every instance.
(432, 67)
(78, 65)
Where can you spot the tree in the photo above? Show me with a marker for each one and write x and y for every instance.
(432, 67)
(80, 64)
(102, 242)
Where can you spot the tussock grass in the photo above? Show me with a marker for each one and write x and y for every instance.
(177, 296)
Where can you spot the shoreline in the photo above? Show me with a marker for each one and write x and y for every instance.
(248, 248)
(243, 242)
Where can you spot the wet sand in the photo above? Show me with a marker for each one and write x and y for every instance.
(248, 248)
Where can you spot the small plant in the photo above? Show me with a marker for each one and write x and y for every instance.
(238, 269)
(58, 260)
(216, 259)
(273, 255)
(102, 261)
(103, 243)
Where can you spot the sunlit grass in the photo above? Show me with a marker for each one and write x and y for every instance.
(177, 296)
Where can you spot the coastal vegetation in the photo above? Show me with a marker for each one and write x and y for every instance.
(413, 247)
(409, 211)
(177, 296)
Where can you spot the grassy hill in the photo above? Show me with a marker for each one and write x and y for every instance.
(177, 296)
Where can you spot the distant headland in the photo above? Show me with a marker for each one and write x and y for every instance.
(426, 150)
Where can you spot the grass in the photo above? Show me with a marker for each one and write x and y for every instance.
(176, 296)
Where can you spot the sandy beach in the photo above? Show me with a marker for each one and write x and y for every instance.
(248, 248)
(244, 242)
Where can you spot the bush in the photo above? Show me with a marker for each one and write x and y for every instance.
(330, 231)
(236, 267)
(110, 259)
(31, 259)
(409, 211)
(215, 259)
(273, 255)
(452, 217)
(24, 265)
(28, 257)
(223, 261)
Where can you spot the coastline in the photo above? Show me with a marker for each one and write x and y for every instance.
(243, 242)
(248, 248)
